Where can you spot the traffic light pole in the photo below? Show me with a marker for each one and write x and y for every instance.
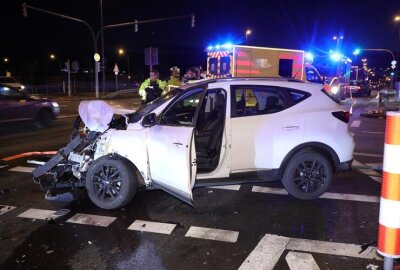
(94, 37)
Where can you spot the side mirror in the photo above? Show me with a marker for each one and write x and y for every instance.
(149, 120)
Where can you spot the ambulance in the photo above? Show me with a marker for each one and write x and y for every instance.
(228, 60)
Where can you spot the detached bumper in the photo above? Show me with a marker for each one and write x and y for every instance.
(344, 166)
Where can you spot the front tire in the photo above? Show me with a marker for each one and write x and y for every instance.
(308, 175)
(111, 182)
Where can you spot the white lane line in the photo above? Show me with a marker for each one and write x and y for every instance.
(373, 132)
(266, 254)
(301, 261)
(22, 169)
(95, 220)
(356, 124)
(37, 214)
(367, 154)
(212, 234)
(350, 197)
(332, 248)
(367, 172)
(3, 166)
(154, 227)
(268, 251)
(6, 208)
(67, 116)
(229, 187)
(326, 195)
(279, 191)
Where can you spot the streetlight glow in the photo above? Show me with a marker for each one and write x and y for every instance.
(121, 51)
(397, 18)
(248, 32)
(52, 56)
(5, 60)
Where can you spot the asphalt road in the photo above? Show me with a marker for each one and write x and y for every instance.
(242, 226)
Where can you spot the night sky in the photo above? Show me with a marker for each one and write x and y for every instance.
(307, 25)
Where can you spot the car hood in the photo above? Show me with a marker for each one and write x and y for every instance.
(97, 114)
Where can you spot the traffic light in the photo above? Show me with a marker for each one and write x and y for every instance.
(136, 26)
(24, 10)
(193, 20)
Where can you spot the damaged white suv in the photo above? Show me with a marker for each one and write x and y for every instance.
(205, 134)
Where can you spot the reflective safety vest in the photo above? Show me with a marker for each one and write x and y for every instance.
(142, 90)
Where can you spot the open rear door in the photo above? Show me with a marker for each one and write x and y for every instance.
(172, 161)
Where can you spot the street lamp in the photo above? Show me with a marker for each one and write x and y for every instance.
(5, 60)
(397, 18)
(121, 51)
(248, 33)
(52, 56)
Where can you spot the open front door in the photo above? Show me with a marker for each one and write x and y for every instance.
(172, 160)
(171, 148)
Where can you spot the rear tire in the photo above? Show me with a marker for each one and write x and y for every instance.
(111, 182)
(44, 119)
(308, 175)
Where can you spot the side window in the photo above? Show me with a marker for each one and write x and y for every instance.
(182, 112)
(256, 100)
(298, 96)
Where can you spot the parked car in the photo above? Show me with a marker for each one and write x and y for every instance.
(207, 131)
(359, 88)
(11, 82)
(17, 106)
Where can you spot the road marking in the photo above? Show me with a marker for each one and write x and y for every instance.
(22, 169)
(266, 254)
(67, 116)
(326, 195)
(3, 166)
(374, 175)
(356, 124)
(228, 187)
(332, 248)
(279, 191)
(27, 154)
(367, 154)
(301, 261)
(268, 251)
(212, 234)
(373, 132)
(6, 208)
(95, 220)
(154, 227)
(37, 214)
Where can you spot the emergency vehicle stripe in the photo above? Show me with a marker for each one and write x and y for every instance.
(389, 214)
(391, 186)
(391, 159)
(388, 244)
(392, 129)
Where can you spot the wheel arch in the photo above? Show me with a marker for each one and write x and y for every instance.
(318, 147)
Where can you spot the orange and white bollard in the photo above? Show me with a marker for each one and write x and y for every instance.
(389, 214)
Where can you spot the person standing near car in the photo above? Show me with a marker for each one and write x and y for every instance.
(151, 88)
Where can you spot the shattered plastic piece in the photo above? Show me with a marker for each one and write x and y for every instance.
(89, 242)
(50, 251)
(59, 213)
(372, 267)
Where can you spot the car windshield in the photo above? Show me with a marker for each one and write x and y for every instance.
(7, 80)
(154, 105)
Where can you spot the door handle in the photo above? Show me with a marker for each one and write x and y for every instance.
(291, 127)
(178, 144)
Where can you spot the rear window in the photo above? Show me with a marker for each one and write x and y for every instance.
(298, 96)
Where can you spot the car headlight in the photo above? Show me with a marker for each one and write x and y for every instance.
(335, 90)
(22, 87)
(55, 105)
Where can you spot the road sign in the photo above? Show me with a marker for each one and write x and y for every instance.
(116, 69)
(151, 56)
(393, 66)
(75, 67)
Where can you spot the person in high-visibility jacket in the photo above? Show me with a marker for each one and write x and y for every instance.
(174, 80)
(151, 88)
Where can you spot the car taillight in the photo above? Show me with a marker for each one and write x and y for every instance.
(342, 116)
